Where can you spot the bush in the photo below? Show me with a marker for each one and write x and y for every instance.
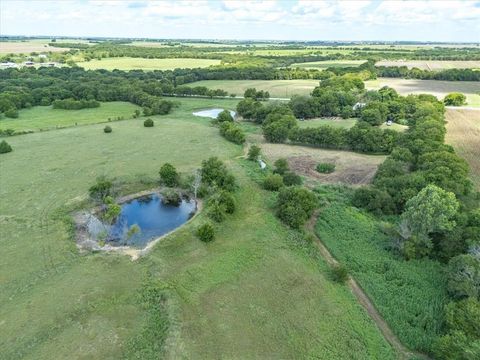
(11, 113)
(168, 175)
(232, 132)
(455, 99)
(171, 197)
(216, 211)
(5, 147)
(273, 182)
(215, 173)
(107, 129)
(148, 123)
(206, 232)
(295, 205)
(101, 190)
(374, 200)
(224, 116)
(226, 199)
(325, 168)
(290, 179)
(339, 273)
(464, 276)
(253, 153)
(281, 166)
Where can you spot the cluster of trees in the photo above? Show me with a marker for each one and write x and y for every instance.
(228, 129)
(253, 93)
(455, 99)
(72, 104)
(415, 73)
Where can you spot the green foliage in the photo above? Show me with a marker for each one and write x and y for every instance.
(11, 113)
(454, 99)
(216, 211)
(291, 179)
(111, 211)
(148, 123)
(224, 116)
(171, 197)
(215, 173)
(168, 175)
(72, 104)
(273, 182)
(295, 205)
(374, 200)
(253, 153)
(134, 229)
(276, 130)
(232, 132)
(107, 129)
(464, 276)
(206, 232)
(281, 166)
(5, 147)
(325, 168)
(339, 273)
(102, 189)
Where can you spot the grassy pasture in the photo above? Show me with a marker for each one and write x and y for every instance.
(26, 47)
(410, 295)
(45, 117)
(471, 89)
(321, 65)
(463, 133)
(127, 63)
(256, 292)
(335, 122)
(432, 64)
(276, 88)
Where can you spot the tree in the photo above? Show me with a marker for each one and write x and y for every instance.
(250, 93)
(464, 276)
(224, 116)
(454, 99)
(148, 123)
(290, 179)
(168, 175)
(5, 147)
(11, 113)
(206, 232)
(273, 182)
(295, 205)
(253, 152)
(281, 166)
(102, 189)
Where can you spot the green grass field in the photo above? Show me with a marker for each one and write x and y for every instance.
(335, 122)
(45, 117)
(410, 295)
(257, 291)
(276, 88)
(321, 65)
(127, 63)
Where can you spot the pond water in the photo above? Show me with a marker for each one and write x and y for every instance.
(211, 113)
(152, 217)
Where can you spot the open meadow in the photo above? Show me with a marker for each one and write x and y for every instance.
(259, 289)
(128, 63)
(463, 133)
(321, 65)
(28, 46)
(431, 64)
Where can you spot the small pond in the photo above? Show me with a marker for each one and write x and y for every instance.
(150, 218)
(211, 113)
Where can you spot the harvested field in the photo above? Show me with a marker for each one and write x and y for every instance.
(351, 168)
(431, 65)
(26, 47)
(463, 133)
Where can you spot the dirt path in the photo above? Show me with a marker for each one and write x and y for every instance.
(364, 300)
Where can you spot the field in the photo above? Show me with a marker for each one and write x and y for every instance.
(431, 64)
(26, 47)
(127, 63)
(463, 133)
(276, 88)
(335, 122)
(410, 295)
(435, 87)
(326, 64)
(45, 117)
(351, 168)
(258, 290)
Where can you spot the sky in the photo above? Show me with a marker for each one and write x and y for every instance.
(444, 21)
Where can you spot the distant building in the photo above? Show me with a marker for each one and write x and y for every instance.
(29, 63)
(358, 105)
(42, 56)
(51, 64)
(262, 164)
(8, 64)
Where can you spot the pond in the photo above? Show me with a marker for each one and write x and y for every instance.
(142, 220)
(211, 113)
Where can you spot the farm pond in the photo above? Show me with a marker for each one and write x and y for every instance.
(141, 220)
(211, 113)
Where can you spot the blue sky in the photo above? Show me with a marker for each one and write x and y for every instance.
(450, 21)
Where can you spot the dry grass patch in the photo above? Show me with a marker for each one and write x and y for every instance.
(26, 47)
(350, 168)
(463, 133)
(431, 64)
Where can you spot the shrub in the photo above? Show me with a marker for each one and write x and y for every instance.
(171, 197)
(107, 129)
(5, 147)
(295, 205)
(374, 200)
(148, 123)
(226, 199)
(325, 168)
(206, 232)
(11, 113)
(290, 179)
(454, 99)
(339, 273)
(72, 104)
(232, 132)
(168, 175)
(216, 211)
(224, 116)
(273, 182)
(253, 153)
(464, 276)
(112, 210)
(214, 172)
(101, 190)
(281, 166)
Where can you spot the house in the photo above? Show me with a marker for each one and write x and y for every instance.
(358, 105)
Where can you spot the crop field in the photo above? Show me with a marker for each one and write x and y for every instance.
(410, 295)
(127, 63)
(321, 65)
(45, 117)
(255, 291)
(463, 133)
(431, 64)
(276, 88)
(351, 168)
(435, 87)
(26, 47)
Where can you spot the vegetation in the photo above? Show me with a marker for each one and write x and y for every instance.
(325, 168)
(273, 182)
(339, 273)
(295, 205)
(206, 232)
(253, 152)
(232, 132)
(72, 104)
(5, 147)
(224, 116)
(171, 197)
(107, 129)
(455, 99)
(148, 123)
